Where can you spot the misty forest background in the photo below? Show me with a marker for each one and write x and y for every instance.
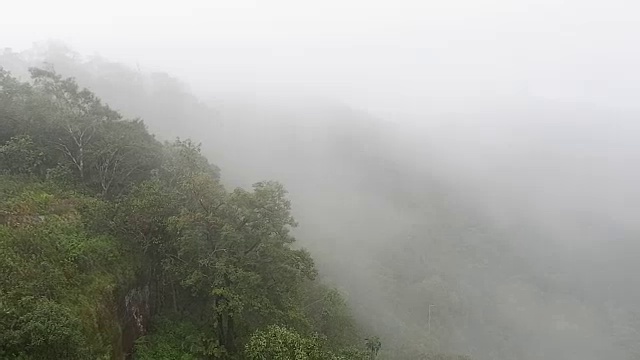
(117, 242)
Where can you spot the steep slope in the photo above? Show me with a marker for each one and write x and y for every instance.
(478, 215)
(115, 245)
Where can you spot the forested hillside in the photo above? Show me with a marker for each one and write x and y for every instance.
(313, 152)
(503, 235)
(115, 244)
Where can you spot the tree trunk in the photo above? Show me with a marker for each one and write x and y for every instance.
(230, 334)
(220, 320)
(175, 302)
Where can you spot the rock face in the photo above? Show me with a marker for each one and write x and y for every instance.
(136, 316)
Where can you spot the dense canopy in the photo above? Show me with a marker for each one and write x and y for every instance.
(113, 244)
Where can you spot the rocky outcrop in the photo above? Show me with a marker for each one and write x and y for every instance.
(136, 317)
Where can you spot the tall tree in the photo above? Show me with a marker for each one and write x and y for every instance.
(78, 112)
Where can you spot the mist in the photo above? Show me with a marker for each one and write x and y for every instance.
(462, 172)
(401, 57)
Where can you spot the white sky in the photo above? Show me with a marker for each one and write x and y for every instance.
(380, 55)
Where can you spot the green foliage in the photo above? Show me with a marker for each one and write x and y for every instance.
(122, 154)
(352, 353)
(279, 343)
(373, 346)
(91, 204)
(170, 340)
(20, 156)
(57, 281)
(66, 132)
(38, 328)
(327, 313)
(15, 98)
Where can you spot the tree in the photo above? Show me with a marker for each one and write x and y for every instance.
(118, 211)
(328, 314)
(14, 97)
(58, 281)
(373, 345)
(280, 343)
(124, 153)
(77, 115)
(236, 247)
(19, 155)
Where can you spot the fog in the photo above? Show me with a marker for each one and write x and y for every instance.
(475, 156)
(401, 56)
